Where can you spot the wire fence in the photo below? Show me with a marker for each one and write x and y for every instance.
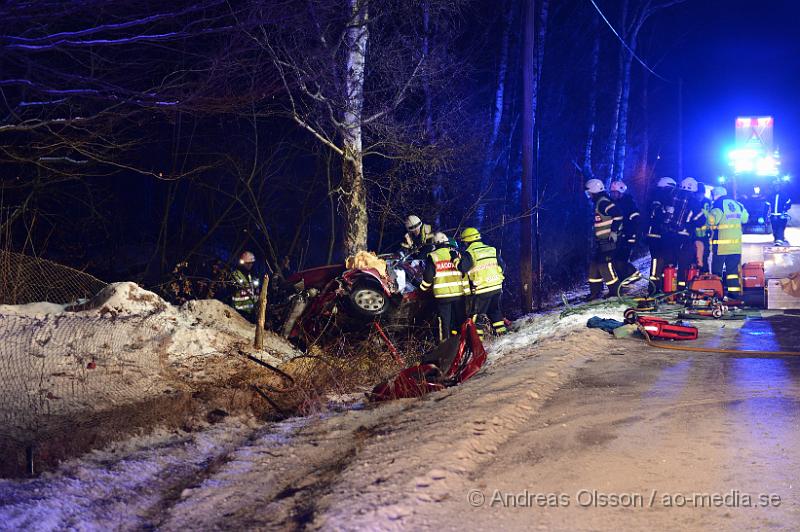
(25, 279)
(58, 367)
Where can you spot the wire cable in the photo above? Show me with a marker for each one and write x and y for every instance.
(645, 65)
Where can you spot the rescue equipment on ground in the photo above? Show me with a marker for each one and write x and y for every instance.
(654, 327)
(451, 363)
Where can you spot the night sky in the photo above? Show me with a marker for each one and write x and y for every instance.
(736, 57)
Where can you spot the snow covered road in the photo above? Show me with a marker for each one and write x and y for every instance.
(561, 408)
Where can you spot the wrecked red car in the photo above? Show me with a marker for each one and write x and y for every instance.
(334, 296)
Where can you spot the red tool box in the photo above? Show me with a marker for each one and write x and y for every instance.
(710, 285)
(753, 275)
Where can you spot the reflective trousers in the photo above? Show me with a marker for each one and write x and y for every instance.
(729, 264)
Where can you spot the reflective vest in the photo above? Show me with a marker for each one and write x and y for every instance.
(701, 231)
(486, 275)
(244, 295)
(448, 281)
(425, 237)
(726, 219)
(603, 219)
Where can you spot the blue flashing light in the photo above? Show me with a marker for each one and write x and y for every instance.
(721, 179)
(761, 220)
(786, 178)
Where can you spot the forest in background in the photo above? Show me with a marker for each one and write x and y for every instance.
(138, 135)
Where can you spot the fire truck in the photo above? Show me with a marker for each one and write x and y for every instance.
(755, 165)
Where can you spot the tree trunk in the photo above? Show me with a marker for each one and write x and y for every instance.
(588, 171)
(354, 193)
(611, 150)
(622, 125)
(497, 117)
(528, 125)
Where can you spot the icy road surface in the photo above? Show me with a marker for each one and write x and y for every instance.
(564, 420)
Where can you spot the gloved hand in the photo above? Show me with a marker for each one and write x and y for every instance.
(454, 255)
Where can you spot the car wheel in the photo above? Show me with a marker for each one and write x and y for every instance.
(369, 300)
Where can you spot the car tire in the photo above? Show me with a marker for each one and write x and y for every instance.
(368, 300)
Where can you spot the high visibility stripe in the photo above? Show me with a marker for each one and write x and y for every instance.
(452, 283)
(730, 241)
(596, 280)
(487, 289)
(732, 276)
(498, 323)
(653, 235)
(607, 222)
(734, 289)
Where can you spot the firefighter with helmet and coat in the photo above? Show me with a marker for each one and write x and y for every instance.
(418, 234)
(688, 216)
(244, 291)
(483, 271)
(443, 277)
(662, 251)
(607, 222)
(628, 233)
(702, 233)
(725, 219)
(779, 205)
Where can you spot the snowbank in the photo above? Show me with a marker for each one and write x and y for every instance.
(532, 329)
(126, 345)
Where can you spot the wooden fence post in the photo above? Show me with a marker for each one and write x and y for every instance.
(262, 314)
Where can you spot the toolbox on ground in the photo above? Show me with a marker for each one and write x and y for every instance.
(710, 285)
(753, 275)
(781, 261)
(778, 299)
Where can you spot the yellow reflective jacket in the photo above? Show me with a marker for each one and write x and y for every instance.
(726, 219)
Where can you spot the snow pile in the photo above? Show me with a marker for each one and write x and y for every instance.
(32, 310)
(123, 346)
(531, 329)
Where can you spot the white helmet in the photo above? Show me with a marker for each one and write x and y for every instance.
(440, 238)
(413, 223)
(689, 184)
(619, 186)
(595, 186)
(666, 182)
(718, 192)
(247, 257)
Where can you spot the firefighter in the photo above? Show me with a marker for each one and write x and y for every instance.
(662, 252)
(779, 206)
(417, 234)
(447, 282)
(607, 221)
(483, 270)
(245, 288)
(687, 217)
(702, 233)
(725, 219)
(628, 233)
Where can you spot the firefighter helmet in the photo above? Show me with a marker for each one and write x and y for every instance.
(666, 182)
(413, 223)
(470, 234)
(247, 257)
(689, 184)
(595, 186)
(440, 238)
(718, 192)
(619, 186)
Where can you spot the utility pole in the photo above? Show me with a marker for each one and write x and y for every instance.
(528, 124)
(680, 130)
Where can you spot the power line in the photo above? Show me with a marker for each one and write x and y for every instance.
(645, 65)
